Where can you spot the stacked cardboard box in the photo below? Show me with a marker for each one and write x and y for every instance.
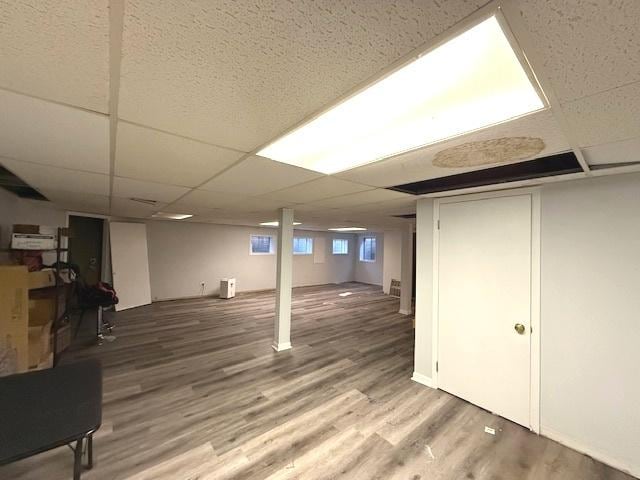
(14, 319)
(27, 313)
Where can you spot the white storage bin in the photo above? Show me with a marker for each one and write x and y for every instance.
(227, 288)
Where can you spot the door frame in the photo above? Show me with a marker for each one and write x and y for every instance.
(534, 374)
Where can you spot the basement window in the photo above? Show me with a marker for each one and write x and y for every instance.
(261, 245)
(368, 249)
(302, 246)
(340, 246)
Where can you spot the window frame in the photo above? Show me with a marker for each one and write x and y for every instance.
(309, 242)
(271, 244)
(363, 239)
(342, 240)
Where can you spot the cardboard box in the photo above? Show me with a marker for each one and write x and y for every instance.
(14, 319)
(42, 279)
(42, 311)
(26, 229)
(32, 241)
(63, 340)
(47, 362)
(40, 344)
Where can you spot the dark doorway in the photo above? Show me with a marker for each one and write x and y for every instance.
(85, 246)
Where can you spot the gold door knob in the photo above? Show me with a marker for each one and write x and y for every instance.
(519, 328)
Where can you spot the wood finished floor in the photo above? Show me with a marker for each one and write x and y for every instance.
(193, 390)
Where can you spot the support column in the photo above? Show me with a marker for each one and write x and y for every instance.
(406, 271)
(284, 274)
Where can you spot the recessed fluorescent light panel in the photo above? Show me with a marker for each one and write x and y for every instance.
(347, 229)
(276, 223)
(470, 82)
(171, 216)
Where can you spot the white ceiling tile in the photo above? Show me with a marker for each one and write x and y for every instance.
(188, 209)
(78, 202)
(43, 132)
(362, 198)
(605, 117)
(238, 74)
(207, 199)
(417, 165)
(57, 49)
(626, 151)
(130, 188)
(254, 204)
(52, 178)
(322, 188)
(147, 154)
(124, 207)
(258, 175)
(586, 47)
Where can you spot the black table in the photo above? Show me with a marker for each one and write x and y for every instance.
(46, 409)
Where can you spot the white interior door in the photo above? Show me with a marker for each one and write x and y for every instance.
(130, 264)
(484, 303)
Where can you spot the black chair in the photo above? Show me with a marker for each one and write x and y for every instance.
(46, 409)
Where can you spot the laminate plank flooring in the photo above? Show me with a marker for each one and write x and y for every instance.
(193, 390)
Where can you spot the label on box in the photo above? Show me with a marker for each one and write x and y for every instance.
(32, 241)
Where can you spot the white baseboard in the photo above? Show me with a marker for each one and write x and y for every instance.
(281, 347)
(578, 446)
(422, 379)
(404, 312)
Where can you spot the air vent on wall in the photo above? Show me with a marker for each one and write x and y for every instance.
(560, 164)
(17, 186)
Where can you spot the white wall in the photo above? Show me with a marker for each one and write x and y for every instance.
(183, 254)
(392, 258)
(16, 210)
(590, 310)
(590, 302)
(370, 272)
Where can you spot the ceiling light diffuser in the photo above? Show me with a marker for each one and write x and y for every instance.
(276, 223)
(347, 229)
(171, 216)
(472, 81)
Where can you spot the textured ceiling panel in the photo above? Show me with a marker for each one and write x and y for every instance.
(129, 188)
(52, 178)
(416, 165)
(257, 175)
(606, 117)
(78, 202)
(362, 198)
(625, 151)
(239, 73)
(43, 132)
(586, 46)
(155, 156)
(56, 49)
(123, 207)
(315, 190)
(207, 199)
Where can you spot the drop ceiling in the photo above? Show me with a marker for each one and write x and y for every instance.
(203, 85)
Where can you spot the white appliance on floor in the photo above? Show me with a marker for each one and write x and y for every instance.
(227, 288)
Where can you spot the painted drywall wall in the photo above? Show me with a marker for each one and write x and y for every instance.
(182, 255)
(370, 272)
(424, 291)
(392, 258)
(590, 275)
(590, 305)
(14, 209)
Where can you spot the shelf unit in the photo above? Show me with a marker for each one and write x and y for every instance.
(59, 288)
